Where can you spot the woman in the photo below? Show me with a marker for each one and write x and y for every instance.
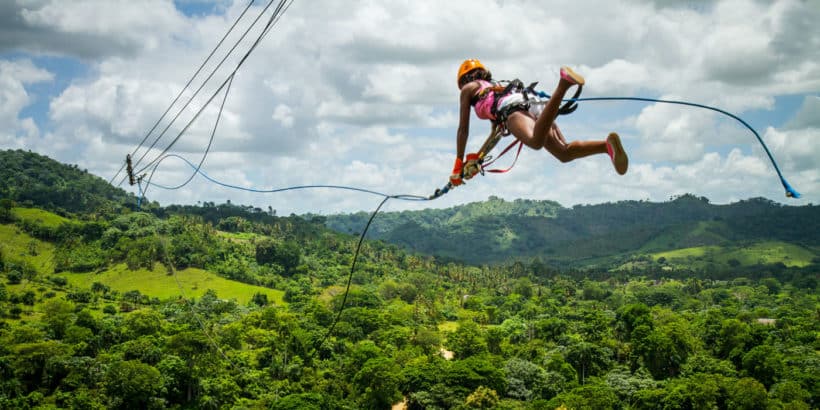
(534, 127)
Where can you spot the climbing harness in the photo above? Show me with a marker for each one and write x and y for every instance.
(511, 96)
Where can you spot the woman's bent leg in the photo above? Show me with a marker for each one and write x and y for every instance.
(557, 145)
(545, 120)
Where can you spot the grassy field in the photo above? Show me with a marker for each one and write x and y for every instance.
(18, 246)
(44, 218)
(157, 283)
(772, 252)
(703, 232)
(759, 253)
(448, 326)
(330, 292)
(239, 236)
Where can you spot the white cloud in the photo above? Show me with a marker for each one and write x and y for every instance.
(618, 77)
(671, 134)
(86, 28)
(795, 149)
(809, 114)
(284, 115)
(14, 77)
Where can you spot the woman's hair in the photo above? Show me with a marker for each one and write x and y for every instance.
(477, 74)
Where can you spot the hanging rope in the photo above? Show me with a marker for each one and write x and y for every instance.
(386, 197)
(404, 197)
(790, 192)
(349, 278)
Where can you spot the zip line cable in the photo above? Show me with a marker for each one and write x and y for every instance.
(207, 149)
(205, 82)
(404, 197)
(274, 18)
(790, 192)
(201, 66)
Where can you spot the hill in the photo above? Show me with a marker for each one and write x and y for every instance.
(36, 180)
(72, 233)
(498, 231)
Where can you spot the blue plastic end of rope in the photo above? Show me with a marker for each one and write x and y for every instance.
(790, 192)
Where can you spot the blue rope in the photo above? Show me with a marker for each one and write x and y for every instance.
(790, 192)
(403, 197)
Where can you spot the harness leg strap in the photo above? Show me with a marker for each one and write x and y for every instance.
(570, 106)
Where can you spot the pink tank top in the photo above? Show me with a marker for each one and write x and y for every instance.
(484, 106)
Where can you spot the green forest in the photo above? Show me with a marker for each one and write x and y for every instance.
(104, 304)
(609, 234)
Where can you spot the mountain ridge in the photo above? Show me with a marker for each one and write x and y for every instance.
(498, 231)
(495, 231)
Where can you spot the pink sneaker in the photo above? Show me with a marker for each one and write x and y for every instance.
(571, 76)
(616, 153)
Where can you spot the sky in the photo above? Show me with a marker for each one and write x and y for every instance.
(363, 93)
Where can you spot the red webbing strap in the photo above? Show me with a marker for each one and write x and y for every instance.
(509, 147)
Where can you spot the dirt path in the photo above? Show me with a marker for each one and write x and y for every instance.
(402, 405)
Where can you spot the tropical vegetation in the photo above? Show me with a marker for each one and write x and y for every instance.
(225, 306)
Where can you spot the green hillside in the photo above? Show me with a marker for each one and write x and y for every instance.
(17, 246)
(31, 179)
(494, 207)
(35, 260)
(761, 253)
(497, 231)
(39, 217)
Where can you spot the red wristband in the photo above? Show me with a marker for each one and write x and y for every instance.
(458, 166)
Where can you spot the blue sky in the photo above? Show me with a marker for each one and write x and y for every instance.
(362, 94)
(65, 71)
(198, 8)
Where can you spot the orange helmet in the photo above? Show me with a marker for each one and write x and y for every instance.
(466, 67)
